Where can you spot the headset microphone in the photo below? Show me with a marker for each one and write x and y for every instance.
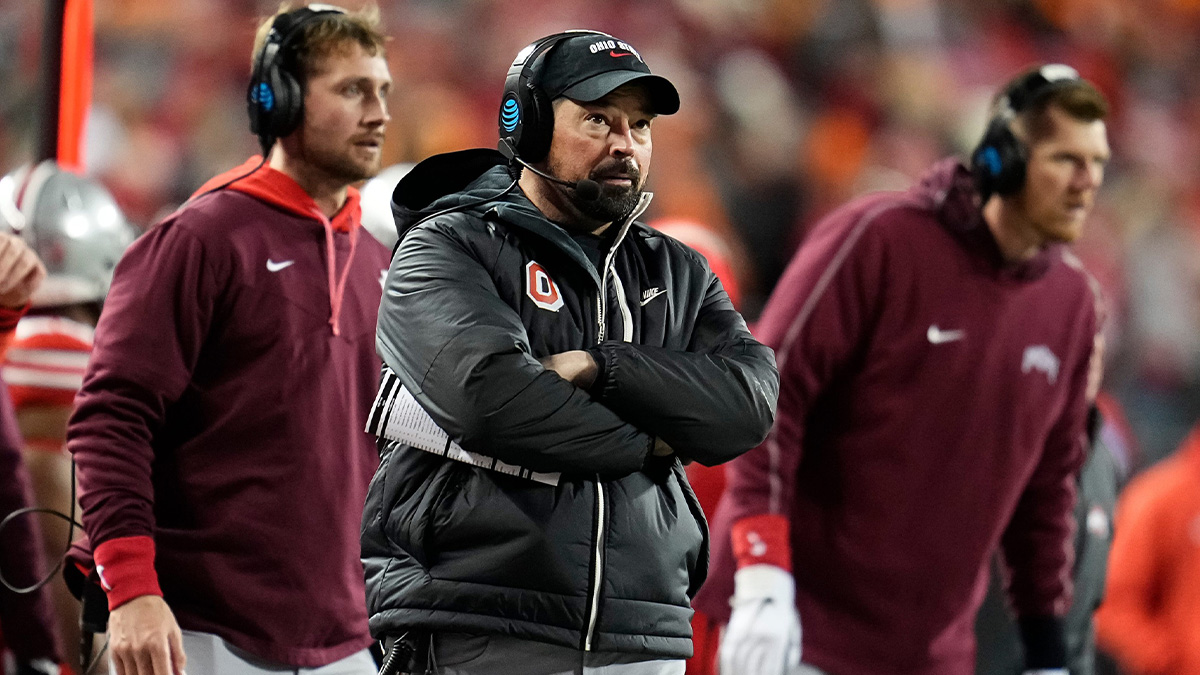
(587, 189)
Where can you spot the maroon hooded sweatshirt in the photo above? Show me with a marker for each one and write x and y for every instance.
(932, 407)
(219, 429)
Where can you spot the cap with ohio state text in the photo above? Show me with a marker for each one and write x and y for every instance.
(589, 66)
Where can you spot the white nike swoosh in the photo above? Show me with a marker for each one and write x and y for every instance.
(938, 336)
(273, 266)
(653, 295)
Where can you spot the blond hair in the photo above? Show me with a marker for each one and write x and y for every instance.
(325, 35)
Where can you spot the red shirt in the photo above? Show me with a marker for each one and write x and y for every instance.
(1149, 619)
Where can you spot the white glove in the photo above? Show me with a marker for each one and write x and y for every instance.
(763, 635)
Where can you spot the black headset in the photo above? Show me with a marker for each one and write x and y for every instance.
(999, 161)
(526, 115)
(275, 97)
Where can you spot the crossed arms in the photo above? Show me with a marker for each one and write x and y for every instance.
(465, 355)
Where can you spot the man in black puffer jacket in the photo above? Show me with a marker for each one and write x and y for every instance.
(576, 354)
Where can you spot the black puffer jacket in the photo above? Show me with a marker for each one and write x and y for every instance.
(608, 559)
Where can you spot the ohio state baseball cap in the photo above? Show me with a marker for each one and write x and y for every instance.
(589, 66)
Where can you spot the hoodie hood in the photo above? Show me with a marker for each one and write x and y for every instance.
(950, 189)
(448, 180)
(279, 190)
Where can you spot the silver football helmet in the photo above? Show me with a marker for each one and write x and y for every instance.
(73, 224)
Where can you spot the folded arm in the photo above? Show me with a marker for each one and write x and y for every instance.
(464, 354)
(713, 401)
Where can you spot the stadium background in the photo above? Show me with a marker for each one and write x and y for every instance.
(789, 108)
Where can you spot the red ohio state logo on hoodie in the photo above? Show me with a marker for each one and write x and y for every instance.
(541, 288)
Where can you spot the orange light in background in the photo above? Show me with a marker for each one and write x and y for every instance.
(75, 92)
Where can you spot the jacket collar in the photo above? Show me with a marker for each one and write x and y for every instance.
(528, 217)
(481, 175)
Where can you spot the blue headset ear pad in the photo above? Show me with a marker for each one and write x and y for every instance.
(998, 162)
(989, 159)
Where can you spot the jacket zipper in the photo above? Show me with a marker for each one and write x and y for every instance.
(598, 571)
(600, 313)
(602, 298)
(598, 574)
(601, 499)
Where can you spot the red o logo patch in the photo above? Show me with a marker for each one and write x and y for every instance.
(541, 288)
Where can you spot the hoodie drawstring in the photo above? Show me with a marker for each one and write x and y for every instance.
(336, 289)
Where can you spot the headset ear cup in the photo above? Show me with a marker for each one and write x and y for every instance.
(289, 105)
(1012, 178)
(513, 109)
(254, 105)
(1012, 162)
(998, 163)
(539, 126)
(260, 99)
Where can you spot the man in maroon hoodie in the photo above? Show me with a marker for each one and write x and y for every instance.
(937, 350)
(219, 430)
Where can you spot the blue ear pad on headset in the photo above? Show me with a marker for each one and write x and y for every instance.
(998, 163)
(989, 160)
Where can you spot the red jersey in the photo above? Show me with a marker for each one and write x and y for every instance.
(44, 366)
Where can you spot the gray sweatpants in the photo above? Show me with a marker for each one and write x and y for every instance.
(208, 654)
(462, 654)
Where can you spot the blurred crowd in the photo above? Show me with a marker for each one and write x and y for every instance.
(789, 108)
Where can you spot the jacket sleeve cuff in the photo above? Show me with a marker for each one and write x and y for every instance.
(762, 539)
(126, 569)
(597, 388)
(1045, 642)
